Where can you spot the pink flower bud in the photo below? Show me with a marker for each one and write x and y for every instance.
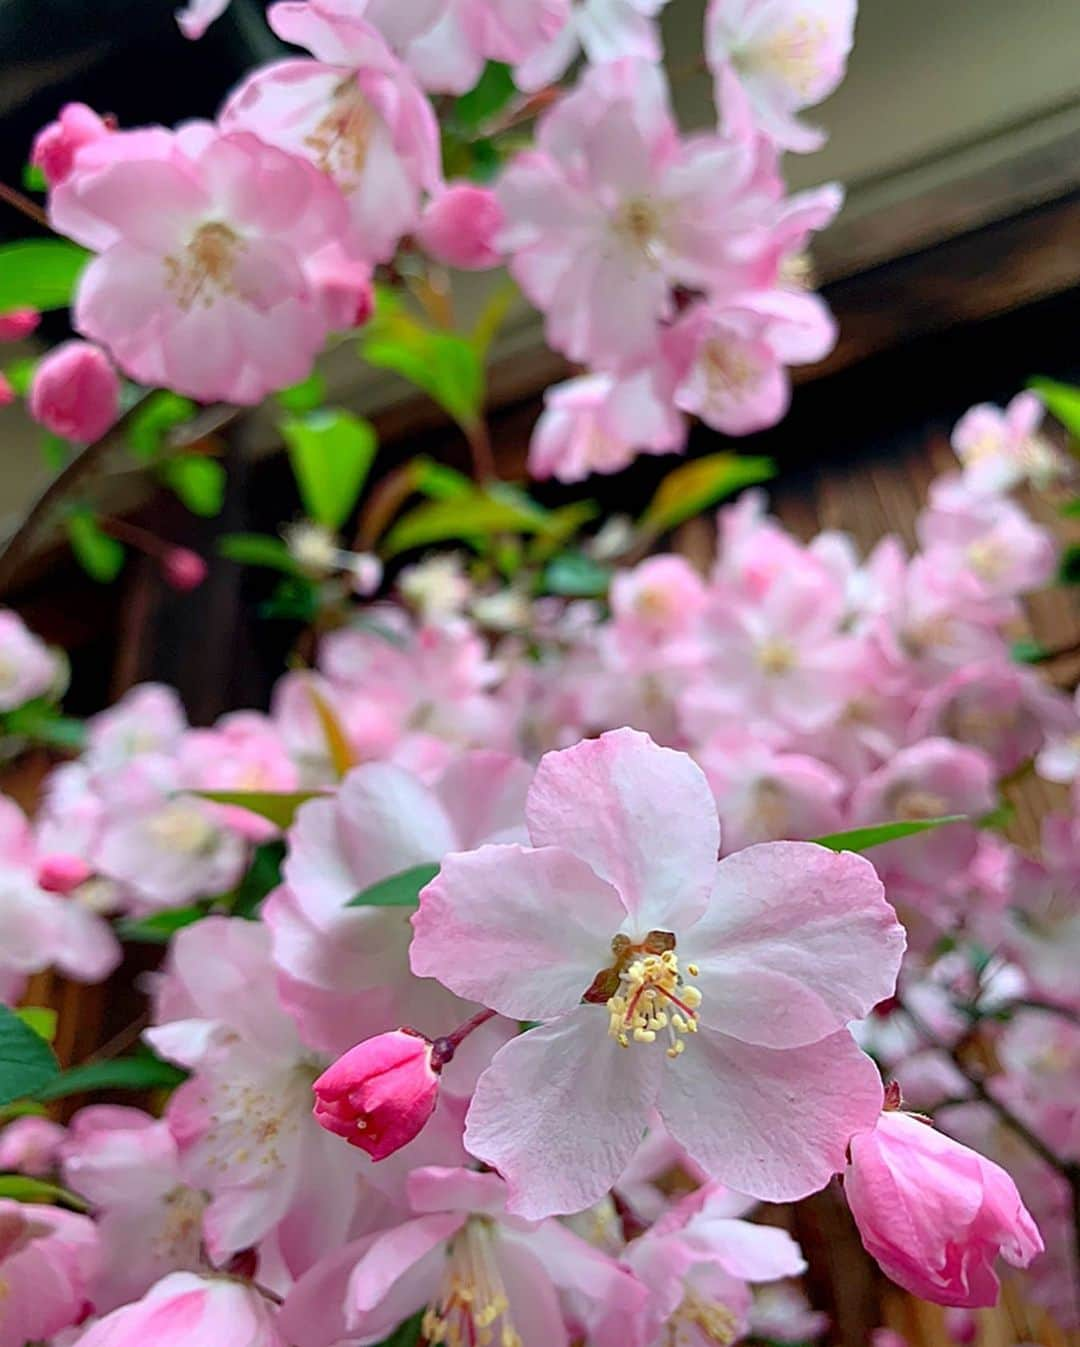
(30, 1145)
(75, 392)
(380, 1094)
(460, 225)
(935, 1214)
(961, 1326)
(57, 144)
(18, 323)
(7, 393)
(183, 569)
(61, 873)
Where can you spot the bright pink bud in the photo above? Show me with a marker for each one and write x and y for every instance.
(57, 144)
(18, 323)
(460, 225)
(7, 393)
(380, 1094)
(961, 1326)
(935, 1214)
(75, 392)
(183, 569)
(62, 874)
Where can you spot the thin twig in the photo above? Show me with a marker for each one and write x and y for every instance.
(24, 205)
(483, 460)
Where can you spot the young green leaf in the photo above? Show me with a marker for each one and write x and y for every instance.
(490, 95)
(305, 396)
(199, 482)
(258, 549)
(159, 927)
(478, 515)
(27, 1064)
(400, 890)
(100, 556)
(21, 1188)
(331, 453)
(39, 273)
(152, 420)
(1062, 400)
(862, 839)
(700, 484)
(20, 375)
(42, 1019)
(576, 576)
(143, 1071)
(279, 807)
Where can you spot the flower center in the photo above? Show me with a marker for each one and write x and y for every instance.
(794, 54)
(776, 657)
(915, 804)
(204, 270)
(730, 371)
(342, 139)
(472, 1308)
(9, 672)
(645, 993)
(987, 558)
(180, 828)
(697, 1318)
(638, 224)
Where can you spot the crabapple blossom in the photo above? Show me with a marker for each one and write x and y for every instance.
(450, 56)
(779, 56)
(29, 1145)
(47, 1259)
(459, 226)
(28, 668)
(604, 30)
(999, 449)
(183, 1310)
(197, 16)
(380, 1094)
(75, 392)
(18, 323)
(205, 237)
(935, 1214)
(1059, 758)
(616, 933)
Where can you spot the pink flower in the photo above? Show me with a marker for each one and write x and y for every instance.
(620, 932)
(148, 719)
(935, 1214)
(450, 56)
(47, 1259)
(355, 112)
(19, 323)
(612, 210)
(380, 1094)
(29, 1145)
(1059, 760)
(660, 598)
(999, 449)
(204, 238)
(605, 30)
(459, 227)
(183, 1310)
(57, 145)
(28, 669)
(75, 392)
(183, 569)
(600, 423)
(779, 56)
(197, 16)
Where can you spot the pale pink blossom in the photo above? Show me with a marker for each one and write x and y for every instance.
(1042, 928)
(999, 449)
(604, 30)
(1059, 759)
(459, 226)
(57, 145)
(47, 1260)
(75, 392)
(243, 752)
(183, 1310)
(781, 1313)
(779, 56)
(613, 928)
(204, 236)
(148, 719)
(601, 422)
(18, 323)
(450, 57)
(1039, 1054)
(29, 1145)
(354, 112)
(659, 599)
(197, 16)
(28, 668)
(934, 1214)
(380, 1094)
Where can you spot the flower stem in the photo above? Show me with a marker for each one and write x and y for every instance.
(444, 1048)
(23, 203)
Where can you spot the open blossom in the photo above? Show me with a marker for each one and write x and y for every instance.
(354, 112)
(75, 392)
(605, 30)
(379, 1095)
(449, 57)
(27, 667)
(204, 239)
(780, 56)
(47, 1258)
(660, 981)
(183, 1310)
(999, 449)
(612, 210)
(935, 1214)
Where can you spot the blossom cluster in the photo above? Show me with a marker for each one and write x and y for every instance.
(534, 1009)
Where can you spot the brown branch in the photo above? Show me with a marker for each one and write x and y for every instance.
(24, 205)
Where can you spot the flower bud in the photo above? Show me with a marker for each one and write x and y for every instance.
(380, 1094)
(961, 1326)
(460, 225)
(183, 569)
(62, 873)
(7, 393)
(18, 323)
(935, 1214)
(75, 392)
(57, 144)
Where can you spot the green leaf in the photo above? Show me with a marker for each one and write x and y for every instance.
(295, 599)
(700, 484)
(862, 839)
(489, 95)
(563, 524)
(264, 875)
(39, 273)
(153, 419)
(27, 1064)
(305, 396)
(1028, 652)
(42, 1019)
(1062, 400)
(1071, 508)
(199, 482)
(20, 375)
(159, 927)
(258, 549)
(576, 576)
(141, 1072)
(400, 890)
(478, 515)
(41, 722)
(100, 556)
(279, 807)
(54, 450)
(20, 1188)
(438, 481)
(33, 179)
(445, 365)
(492, 316)
(1069, 566)
(331, 453)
